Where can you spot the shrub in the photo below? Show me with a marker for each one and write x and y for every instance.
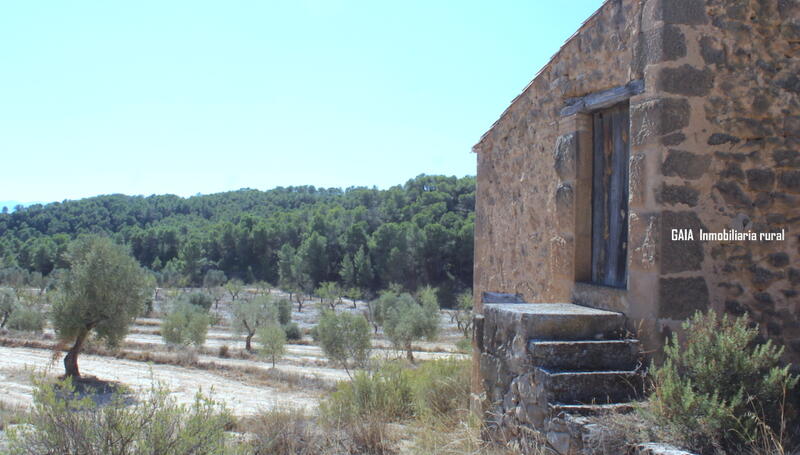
(200, 300)
(441, 387)
(284, 311)
(394, 392)
(289, 431)
(344, 338)
(26, 318)
(386, 394)
(154, 424)
(464, 345)
(223, 352)
(186, 324)
(719, 388)
(273, 342)
(292, 331)
(293, 432)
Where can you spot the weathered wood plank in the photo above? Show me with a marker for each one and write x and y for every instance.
(598, 197)
(602, 99)
(610, 196)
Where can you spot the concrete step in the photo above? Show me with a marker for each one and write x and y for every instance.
(590, 387)
(549, 321)
(558, 409)
(584, 355)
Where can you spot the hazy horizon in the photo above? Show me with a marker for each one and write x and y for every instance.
(12, 203)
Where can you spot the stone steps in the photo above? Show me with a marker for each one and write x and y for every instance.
(589, 409)
(590, 387)
(542, 361)
(585, 355)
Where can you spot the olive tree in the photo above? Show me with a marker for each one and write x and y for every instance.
(463, 313)
(8, 303)
(250, 315)
(103, 291)
(234, 288)
(376, 309)
(273, 341)
(345, 338)
(212, 282)
(329, 292)
(186, 324)
(408, 320)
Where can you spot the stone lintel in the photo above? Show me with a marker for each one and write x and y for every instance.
(603, 99)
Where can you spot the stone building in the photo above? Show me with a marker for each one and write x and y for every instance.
(657, 118)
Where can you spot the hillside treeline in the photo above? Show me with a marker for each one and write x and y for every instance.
(411, 235)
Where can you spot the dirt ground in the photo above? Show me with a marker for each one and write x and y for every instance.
(236, 381)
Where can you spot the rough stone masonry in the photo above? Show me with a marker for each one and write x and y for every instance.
(712, 92)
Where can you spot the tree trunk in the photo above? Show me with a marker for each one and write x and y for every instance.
(71, 359)
(409, 353)
(247, 342)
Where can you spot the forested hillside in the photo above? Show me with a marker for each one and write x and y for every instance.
(417, 234)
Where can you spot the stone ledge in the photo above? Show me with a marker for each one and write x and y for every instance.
(547, 321)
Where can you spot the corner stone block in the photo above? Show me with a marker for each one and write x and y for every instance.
(688, 12)
(679, 298)
(565, 198)
(678, 194)
(657, 117)
(638, 178)
(564, 155)
(760, 179)
(644, 235)
(687, 165)
(790, 181)
(685, 80)
(680, 255)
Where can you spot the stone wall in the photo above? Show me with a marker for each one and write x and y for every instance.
(519, 241)
(714, 144)
(735, 165)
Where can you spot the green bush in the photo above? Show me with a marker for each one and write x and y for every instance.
(719, 388)
(292, 331)
(284, 311)
(154, 424)
(386, 394)
(396, 392)
(200, 300)
(294, 432)
(442, 387)
(26, 318)
(186, 324)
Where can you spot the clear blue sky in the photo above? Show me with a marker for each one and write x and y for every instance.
(186, 97)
